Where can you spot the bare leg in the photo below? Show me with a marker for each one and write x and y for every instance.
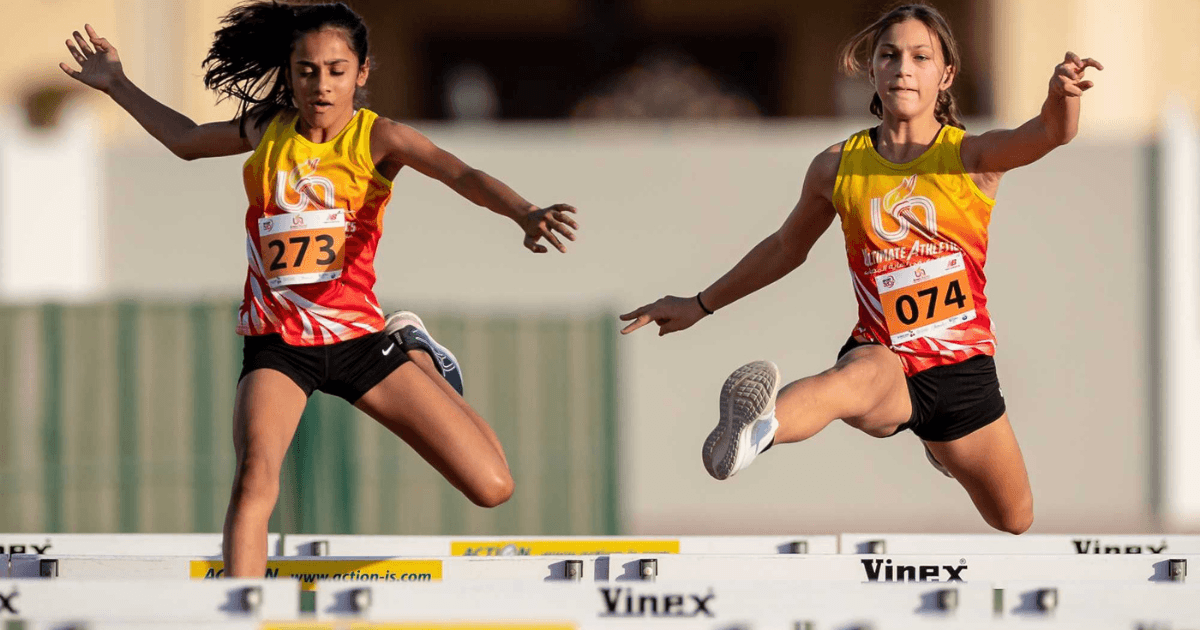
(865, 388)
(425, 362)
(266, 413)
(412, 404)
(989, 466)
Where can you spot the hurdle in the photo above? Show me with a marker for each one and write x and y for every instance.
(100, 623)
(162, 601)
(898, 568)
(1084, 601)
(1047, 544)
(637, 567)
(105, 624)
(181, 568)
(119, 544)
(598, 604)
(425, 546)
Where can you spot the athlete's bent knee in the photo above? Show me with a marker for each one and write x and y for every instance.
(1015, 522)
(494, 492)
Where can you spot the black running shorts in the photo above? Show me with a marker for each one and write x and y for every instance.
(347, 369)
(950, 401)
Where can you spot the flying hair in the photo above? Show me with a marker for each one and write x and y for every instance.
(249, 57)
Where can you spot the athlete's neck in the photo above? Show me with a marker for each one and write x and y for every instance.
(903, 141)
(325, 131)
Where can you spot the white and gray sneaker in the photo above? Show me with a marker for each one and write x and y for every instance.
(747, 425)
(409, 332)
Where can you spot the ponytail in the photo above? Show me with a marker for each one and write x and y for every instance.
(946, 111)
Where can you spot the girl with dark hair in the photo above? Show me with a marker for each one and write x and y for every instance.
(914, 196)
(318, 177)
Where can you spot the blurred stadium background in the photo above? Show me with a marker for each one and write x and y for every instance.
(681, 130)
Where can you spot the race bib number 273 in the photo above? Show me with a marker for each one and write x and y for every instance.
(923, 299)
(302, 247)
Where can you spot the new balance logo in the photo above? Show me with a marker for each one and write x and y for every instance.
(1094, 547)
(913, 573)
(623, 602)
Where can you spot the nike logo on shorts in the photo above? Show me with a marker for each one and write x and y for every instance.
(389, 350)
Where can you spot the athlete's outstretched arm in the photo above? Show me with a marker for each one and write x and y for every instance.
(773, 258)
(1005, 149)
(100, 68)
(404, 145)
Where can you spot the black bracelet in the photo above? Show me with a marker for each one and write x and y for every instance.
(702, 306)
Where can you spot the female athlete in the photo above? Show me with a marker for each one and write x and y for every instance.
(318, 178)
(914, 196)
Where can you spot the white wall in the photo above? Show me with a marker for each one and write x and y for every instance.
(666, 209)
(51, 228)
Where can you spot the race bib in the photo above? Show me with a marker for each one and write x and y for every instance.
(302, 247)
(926, 298)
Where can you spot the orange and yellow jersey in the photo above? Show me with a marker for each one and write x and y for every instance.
(916, 238)
(312, 228)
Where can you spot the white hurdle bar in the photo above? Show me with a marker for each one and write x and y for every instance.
(164, 601)
(638, 567)
(1048, 544)
(866, 623)
(1085, 601)
(900, 568)
(597, 604)
(119, 544)
(100, 623)
(433, 546)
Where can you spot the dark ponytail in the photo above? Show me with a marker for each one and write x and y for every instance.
(856, 54)
(250, 53)
(946, 111)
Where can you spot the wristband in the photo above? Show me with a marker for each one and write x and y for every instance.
(702, 306)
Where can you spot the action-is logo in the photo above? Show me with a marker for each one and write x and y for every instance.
(497, 550)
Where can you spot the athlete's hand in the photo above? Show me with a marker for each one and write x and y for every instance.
(101, 67)
(670, 313)
(1068, 78)
(544, 222)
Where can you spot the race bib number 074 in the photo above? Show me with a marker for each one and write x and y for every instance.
(302, 247)
(923, 299)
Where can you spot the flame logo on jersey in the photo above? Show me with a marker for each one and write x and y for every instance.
(899, 203)
(310, 189)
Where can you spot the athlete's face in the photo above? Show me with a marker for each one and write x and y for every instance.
(324, 74)
(909, 70)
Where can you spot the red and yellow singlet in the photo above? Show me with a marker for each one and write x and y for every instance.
(916, 238)
(312, 227)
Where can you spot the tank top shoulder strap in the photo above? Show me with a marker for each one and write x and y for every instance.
(361, 139)
(852, 162)
(952, 136)
(361, 144)
(280, 126)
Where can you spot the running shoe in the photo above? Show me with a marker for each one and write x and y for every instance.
(747, 425)
(409, 331)
(933, 460)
